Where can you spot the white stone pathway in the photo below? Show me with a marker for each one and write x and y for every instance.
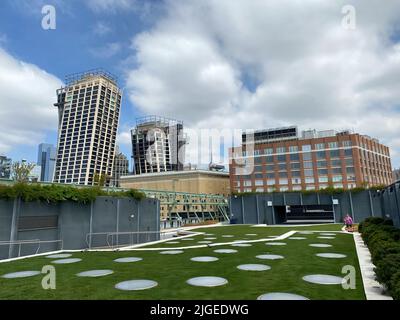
(373, 289)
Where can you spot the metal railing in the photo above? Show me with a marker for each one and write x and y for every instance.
(38, 242)
(112, 239)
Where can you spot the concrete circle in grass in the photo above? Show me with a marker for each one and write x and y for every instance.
(227, 236)
(253, 267)
(128, 259)
(305, 232)
(66, 261)
(20, 274)
(326, 237)
(172, 252)
(331, 255)
(207, 281)
(172, 242)
(323, 279)
(210, 238)
(187, 239)
(269, 257)
(275, 244)
(241, 245)
(281, 296)
(59, 255)
(135, 285)
(320, 245)
(204, 241)
(204, 259)
(225, 251)
(95, 273)
(297, 238)
(251, 234)
(327, 234)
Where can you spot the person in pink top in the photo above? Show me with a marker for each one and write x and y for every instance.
(348, 221)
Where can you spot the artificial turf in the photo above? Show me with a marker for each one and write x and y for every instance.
(172, 271)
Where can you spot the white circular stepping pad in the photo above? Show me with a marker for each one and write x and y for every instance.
(187, 239)
(275, 244)
(227, 236)
(253, 267)
(251, 234)
(95, 273)
(320, 245)
(225, 251)
(207, 281)
(135, 285)
(305, 232)
(172, 242)
(172, 252)
(331, 255)
(323, 279)
(281, 296)
(60, 255)
(128, 259)
(20, 274)
(204, 241)
(297, 238)
(241, 245)
(66, 261)
(204, 259)
(269, 257)
(210, 238)
(325, 237)
(327, 234)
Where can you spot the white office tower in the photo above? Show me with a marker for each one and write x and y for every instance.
(88, 107)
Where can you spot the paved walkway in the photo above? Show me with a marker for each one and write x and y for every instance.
(373, 289)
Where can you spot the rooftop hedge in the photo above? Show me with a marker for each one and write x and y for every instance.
(57, 193)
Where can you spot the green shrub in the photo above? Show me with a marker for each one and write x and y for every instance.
(56, 193)
(387, 267)
(394, 286)
(383, 248)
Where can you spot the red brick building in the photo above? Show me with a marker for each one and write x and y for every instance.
(281, 160)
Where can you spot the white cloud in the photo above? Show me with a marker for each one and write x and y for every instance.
(106, 51)
(27, 95)
(101, 28)
(111, 5)
(257, 64)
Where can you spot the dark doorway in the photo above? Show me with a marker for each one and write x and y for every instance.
(304, 214)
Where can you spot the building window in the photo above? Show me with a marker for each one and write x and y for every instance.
(280, 149)
(307, 156)
(337, 178)
(270, 182)
(296, 188)
(347, 143)
(296, 181)
(259, 183)
(322, 172)
(323, 179)
(293, 148)
(247, 183)
(321, 155)
(269, 151)
(309, 180)
(283, 189)
(283, 181)
(308, 165)
(308, 173)
(294, 157)
(281, 158)
(332, 145)
(335, 153)
(310, 187)
(295, 165)
(306, 147)
(320, 146)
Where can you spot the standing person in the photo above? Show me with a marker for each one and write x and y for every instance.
(348, 221)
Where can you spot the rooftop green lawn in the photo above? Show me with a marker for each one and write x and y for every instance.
(172, 271)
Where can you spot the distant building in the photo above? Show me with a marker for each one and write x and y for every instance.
(157, 145)
(281, 160)
(396, 175)
(5, 167)
(88, 108)
(181, 192)
(120, 168)
(47, 160)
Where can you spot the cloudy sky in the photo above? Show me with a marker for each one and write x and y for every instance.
(215, 64)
